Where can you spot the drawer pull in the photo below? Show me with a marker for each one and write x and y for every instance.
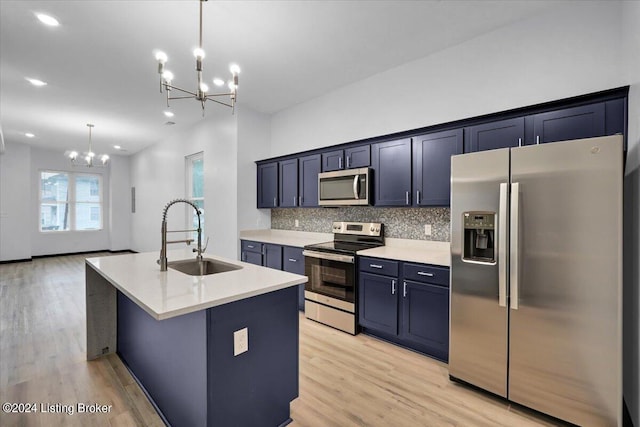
(424, 273)
(250, 246)
(375, 266)
(293, 260)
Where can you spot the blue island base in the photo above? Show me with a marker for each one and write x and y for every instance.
(187, 367)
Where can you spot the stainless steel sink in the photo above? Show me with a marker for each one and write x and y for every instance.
(193, 267)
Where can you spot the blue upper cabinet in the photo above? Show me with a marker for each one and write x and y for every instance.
(493, 135)
(615, 116)
(391, 162)
(349, 158)
(288, 183)
(308, 180)
(268, 185)
(586, 121)
(357, 157)
(332, 160)
(432, 166)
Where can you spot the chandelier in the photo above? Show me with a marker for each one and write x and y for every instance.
(202, 89)
(87, 158)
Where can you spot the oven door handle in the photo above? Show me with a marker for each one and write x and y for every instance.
(329, 256)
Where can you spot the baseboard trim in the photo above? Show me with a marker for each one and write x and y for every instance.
(11, 261)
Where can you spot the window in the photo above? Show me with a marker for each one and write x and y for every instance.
(195, 190)
(70, 201)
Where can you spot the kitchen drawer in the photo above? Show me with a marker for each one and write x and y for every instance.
(379, 266)
(426, 273)
(251, 246)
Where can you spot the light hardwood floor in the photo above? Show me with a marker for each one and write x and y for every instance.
(344, 380)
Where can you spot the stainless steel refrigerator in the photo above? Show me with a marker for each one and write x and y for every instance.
(536, 276)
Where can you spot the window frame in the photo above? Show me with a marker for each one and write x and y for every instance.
(72, 201)
(189, 160)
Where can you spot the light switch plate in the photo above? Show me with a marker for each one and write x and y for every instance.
(240, 341)
(427, 229)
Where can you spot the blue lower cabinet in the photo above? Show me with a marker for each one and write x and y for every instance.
(402, 309)
(378, 302)
(425, 317)
(279, 257)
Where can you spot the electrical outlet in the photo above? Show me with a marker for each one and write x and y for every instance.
(297, 223)
(427, 229)
(240, 341)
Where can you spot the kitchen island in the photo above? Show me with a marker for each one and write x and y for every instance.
(182, 337)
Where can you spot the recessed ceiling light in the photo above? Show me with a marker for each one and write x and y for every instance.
(117, 147)
(218, 82)
(47, 20)
(169, 113)
(29, 135)
(36, 82)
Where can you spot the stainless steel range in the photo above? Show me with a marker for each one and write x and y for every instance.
(331, 292)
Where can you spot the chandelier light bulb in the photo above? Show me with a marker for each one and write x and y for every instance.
(218, 82)
(204, 87)
(91, 154)
(198, 53)
(167, 76)
(232, 85)
(104, 158)
(161, 57)
(169, 113)
(235, 69)
(88, 159)
(73, 155)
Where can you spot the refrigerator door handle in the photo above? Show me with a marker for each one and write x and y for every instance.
(502, 245)
(514, 271)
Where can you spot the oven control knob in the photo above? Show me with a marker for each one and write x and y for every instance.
(373, 229)
(377, 229)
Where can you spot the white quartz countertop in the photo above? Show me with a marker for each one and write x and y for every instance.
(166, 294)
(286, 237)
(421, 251)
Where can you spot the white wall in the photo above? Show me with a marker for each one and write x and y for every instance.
(631, 46)
(254, 143)
(158, 174)
(15, 202)
(64, 241)
(553, 56)
(120, 203)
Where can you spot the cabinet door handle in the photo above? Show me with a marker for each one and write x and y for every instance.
(537, 139)
(293, 260)
(274, 201)
(375, 266)
(424, 273)
(407, 197)
(393, 286)
(243, 257)
(340, 163)
(404, 290)
(519, 142)
(348, 161)
(417, 197)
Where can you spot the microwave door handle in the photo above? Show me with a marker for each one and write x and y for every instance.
(355, 186)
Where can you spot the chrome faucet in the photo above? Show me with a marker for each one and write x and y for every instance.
(163, 250)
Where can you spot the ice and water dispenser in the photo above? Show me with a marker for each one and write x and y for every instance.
(479, 237)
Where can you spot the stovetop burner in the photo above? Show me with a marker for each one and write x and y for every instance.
(351, 237)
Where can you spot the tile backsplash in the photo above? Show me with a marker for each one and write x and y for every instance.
(401, 223)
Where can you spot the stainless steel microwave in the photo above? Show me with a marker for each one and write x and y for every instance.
(345, 188)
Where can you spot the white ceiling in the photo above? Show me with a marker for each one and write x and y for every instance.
(100, 67)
